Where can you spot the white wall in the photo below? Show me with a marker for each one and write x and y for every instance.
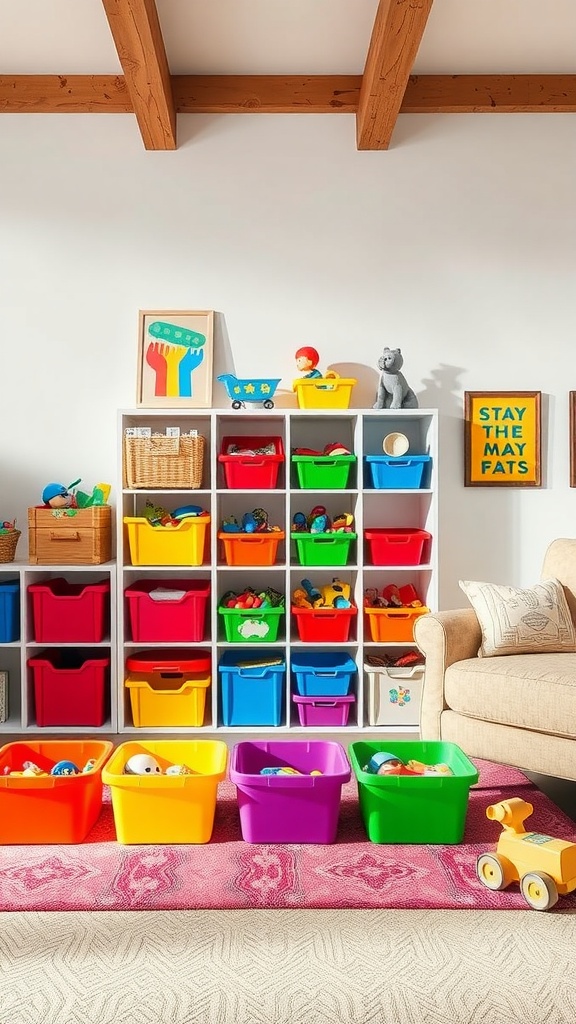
(458, 245)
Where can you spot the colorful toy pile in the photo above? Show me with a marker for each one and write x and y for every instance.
(385, 763)
(146, 765)
(332, 595)
(58, 496)
(392, 596)
(157, 515)
(318, 521)
(334, 448)
(30, 770)
(256, 521)
(250, 598)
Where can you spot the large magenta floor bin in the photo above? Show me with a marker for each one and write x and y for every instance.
(301, 808)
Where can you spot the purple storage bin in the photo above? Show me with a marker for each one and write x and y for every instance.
(316, 711)
(289, 808)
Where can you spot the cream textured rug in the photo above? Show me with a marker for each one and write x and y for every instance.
(288, 967)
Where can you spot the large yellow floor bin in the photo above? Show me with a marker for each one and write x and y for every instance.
(166, 808)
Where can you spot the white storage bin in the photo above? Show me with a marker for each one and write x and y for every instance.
(394, 695)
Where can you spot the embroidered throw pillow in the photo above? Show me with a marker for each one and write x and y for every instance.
(515, 621)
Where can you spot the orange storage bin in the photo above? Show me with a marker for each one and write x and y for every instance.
(50, 808)
(250, 548)
(393, 625)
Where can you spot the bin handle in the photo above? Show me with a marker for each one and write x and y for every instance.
(64, 535)
(25, 782)
(171, 670)
(327, 675)
(324, 703)
(294, 781)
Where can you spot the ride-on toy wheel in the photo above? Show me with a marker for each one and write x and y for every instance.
(493, 871)
(539, 890)
(268, 404)
(237, 405)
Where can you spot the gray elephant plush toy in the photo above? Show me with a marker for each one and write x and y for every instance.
(393, 391)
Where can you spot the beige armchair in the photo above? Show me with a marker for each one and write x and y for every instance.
(518, 709)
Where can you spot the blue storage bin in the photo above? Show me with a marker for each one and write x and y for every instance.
(251, 692)
(323, 674)
(392, 472)
(9, 612)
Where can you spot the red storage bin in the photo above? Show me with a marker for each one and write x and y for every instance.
(180, 618)
(324, 625)
(395, 546)
(73, 613)
(69, 688)
(251, 471)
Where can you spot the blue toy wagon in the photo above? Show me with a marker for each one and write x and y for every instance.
(251, 390)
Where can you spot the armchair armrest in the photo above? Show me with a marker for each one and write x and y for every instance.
(443, 638)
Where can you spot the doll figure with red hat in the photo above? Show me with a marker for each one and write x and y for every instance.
(307, 360)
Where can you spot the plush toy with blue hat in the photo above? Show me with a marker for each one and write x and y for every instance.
(59, 496)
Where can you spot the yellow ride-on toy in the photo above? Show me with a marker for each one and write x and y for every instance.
(544, 866)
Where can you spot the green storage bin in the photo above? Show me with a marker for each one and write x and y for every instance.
(323, 548)
(323, 472)
(251, 626)
(414, 809)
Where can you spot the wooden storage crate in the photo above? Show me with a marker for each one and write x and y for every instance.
(160, 461)
(80, 536)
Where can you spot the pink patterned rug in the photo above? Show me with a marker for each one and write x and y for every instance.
(228, 873)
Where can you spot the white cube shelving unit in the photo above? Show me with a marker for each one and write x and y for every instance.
(14, 655)
(363, 432)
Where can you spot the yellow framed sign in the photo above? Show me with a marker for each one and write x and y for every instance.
(502, 438)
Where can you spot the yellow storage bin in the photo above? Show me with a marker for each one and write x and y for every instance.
(167, 545)
(168, 687)
(324, 392)
(166, 808)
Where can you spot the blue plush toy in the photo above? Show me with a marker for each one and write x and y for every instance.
(249, 522)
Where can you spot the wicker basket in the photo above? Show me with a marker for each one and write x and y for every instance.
(8, 542)
(160, 461)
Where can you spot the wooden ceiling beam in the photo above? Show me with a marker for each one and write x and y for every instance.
(64, 94)
(489, 94)
(265, 94)
(138, 38)
(398, 29)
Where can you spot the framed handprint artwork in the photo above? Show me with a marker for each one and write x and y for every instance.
(175, 353)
